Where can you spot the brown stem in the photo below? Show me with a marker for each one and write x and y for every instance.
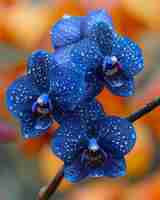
(46, 192)
(145, 110)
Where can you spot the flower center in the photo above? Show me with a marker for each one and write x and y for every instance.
(42, 105)
(93, 156)
(110, 65)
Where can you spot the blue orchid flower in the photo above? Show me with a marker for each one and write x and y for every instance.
(28, 98)
(95, 152)
(101, 56)
(119, 67)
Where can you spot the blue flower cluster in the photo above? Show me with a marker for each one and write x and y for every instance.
(62, 85)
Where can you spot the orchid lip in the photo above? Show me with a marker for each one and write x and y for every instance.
(111, 72)
(111, 65)
(42, 105)
(93, 156)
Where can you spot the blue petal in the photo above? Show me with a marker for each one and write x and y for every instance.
(119, 84)
(75, 171)
(93, 84)
(113, 167)
(32, 126)
(98, 27)
(103, 36)
(90, 113)
(93, 18)
(116, 135)
(66, 31)
(67, 87)
(38, 67)
(69, 139)
(21, 95)
(86, 55)
(129, 55)
(69, 79)
(82, 56)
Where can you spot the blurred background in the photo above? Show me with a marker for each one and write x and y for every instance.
(25, 166)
